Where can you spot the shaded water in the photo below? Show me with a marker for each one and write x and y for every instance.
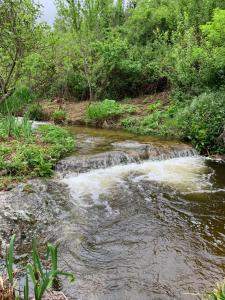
(133, 229)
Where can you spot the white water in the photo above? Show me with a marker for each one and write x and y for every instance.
(184, 174)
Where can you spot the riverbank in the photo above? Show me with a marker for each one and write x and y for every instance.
(200, 123)
(76, 111)
(27, 152)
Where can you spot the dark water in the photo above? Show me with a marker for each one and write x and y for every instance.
(153, 230)
(144, 230)
(146, 238)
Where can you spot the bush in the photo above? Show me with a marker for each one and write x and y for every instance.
(203, 121)
(35, 112)
(34, 156)
(103, 110)
(59, 116)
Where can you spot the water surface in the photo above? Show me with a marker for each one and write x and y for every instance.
(149, 230)
(129, 228)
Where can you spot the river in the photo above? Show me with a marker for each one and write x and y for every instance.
(136, 217)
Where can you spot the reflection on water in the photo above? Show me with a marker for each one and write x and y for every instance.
(96, 140)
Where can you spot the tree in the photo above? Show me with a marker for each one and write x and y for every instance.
(20, 35)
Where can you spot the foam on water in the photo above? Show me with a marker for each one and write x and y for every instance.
(185, 174)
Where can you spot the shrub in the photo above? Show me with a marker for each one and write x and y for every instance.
(203, 121)
(59, 116)
(35, 112)
(103, 110)
(34, 156)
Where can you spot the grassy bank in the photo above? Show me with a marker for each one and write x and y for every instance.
(200, 122)
(27, 153)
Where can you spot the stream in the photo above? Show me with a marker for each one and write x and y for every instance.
(136, 217)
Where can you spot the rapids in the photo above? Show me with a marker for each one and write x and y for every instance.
(136, 217)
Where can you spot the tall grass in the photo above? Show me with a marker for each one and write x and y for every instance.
(12, 127)
(42, 278)
(21, 97)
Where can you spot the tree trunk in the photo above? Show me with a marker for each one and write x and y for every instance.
(5, 84)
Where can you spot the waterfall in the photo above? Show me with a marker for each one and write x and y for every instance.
(123, 153)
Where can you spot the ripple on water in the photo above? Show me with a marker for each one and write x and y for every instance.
(153, 230)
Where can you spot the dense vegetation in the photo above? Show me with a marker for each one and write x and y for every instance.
(27, 153)
(112, 50)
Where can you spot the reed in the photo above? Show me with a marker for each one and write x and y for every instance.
(12, 127)
(42, 278)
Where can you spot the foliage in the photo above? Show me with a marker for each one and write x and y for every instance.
(21, 97)
(104, 109)
(20, 36)
(156, 122)
(113, 50)
(59, 116)
(9, 260)
(203, 121)
(35, 112)
(41, 278)
(27, 153)
(154, 106)
(12, 127)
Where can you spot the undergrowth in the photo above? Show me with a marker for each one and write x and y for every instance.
(17, 101)
(27, 153)
(107, 109)
(201, 122)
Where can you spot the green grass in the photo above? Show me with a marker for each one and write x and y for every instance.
(27, 154)
(10, 127)
(59, 116)
(107, 109)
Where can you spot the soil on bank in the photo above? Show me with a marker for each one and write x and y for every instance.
(75, 111)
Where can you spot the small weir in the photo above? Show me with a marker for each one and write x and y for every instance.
(137, 218)
(122, 153)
